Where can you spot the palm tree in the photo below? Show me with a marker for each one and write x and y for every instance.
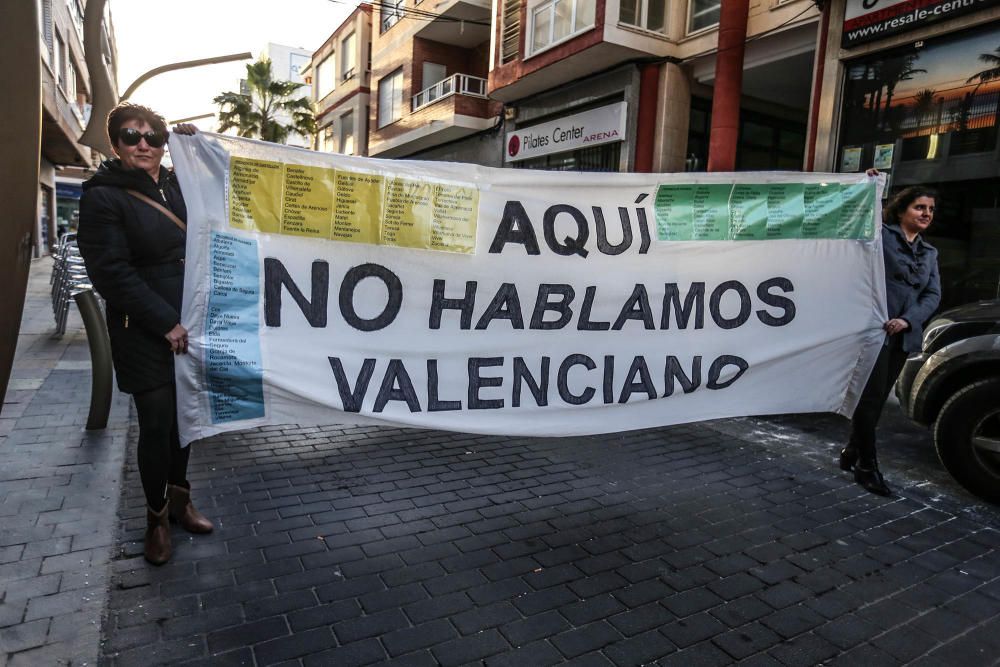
(895, 71)
(991, 73)
(254, 114)
(923, 104)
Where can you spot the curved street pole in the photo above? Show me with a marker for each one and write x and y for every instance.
(104, 94)
(103, 90)
(183, 65)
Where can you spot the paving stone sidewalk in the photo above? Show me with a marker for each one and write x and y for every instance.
(677, 546)
(59, 490)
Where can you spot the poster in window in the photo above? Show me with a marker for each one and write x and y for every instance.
(851, 159)
(883, 156)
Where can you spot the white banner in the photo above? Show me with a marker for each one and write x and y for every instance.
(325, 289)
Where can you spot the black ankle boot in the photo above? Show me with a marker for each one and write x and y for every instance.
(870, 477)
(848, 458)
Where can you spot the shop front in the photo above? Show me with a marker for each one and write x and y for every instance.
(922, 106)
(68, 194)
(584, 141)
(587, 125)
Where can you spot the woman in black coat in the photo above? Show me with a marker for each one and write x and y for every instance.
(913, 293)
(132, 240)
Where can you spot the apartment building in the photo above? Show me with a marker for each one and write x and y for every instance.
(66, 97)
(430, 61)
(626, 85)
(340, 75)
(914, 90)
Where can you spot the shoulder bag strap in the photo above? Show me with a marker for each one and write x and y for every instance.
(159, 207)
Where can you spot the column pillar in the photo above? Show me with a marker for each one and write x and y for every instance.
(728, 85)
(20, 136)
(673, 119)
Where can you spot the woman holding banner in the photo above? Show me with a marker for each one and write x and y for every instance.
(132, 237)
(913, 293)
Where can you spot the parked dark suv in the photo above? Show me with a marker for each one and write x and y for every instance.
(953, 385)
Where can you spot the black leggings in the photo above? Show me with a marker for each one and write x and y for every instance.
(162, 460)
(887, 368)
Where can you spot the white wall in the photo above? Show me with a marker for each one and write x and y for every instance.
(286, 65)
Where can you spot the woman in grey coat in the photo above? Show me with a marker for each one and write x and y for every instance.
(913, 293)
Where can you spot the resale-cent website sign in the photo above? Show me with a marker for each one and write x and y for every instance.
(324, 289)
(868, 20)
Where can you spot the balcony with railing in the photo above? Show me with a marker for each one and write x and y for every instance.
(452, 108)
(63, 121)
(456, 84)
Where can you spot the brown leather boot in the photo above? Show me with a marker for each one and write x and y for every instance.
(184, 513)
(156, 545)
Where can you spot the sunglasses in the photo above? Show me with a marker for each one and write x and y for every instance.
(131, 137)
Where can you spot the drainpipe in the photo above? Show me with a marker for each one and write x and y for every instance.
(728, 85)
(824, 28)
(649, 92)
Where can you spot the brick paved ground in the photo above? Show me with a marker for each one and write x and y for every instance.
(680, 546)
(59, 487)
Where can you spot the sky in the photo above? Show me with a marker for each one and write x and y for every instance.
(150, 34)
(948, 65)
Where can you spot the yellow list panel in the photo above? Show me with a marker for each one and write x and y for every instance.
(407, 215)
(255, 194)
(358, 207)
(453, 227)
(307, 207)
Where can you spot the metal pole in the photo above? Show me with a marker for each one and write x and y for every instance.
(190, 118)
(101, 371)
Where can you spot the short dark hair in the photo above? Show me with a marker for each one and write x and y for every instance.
(902, 201)
(126, 111)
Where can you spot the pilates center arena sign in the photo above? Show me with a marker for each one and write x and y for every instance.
(328, 289)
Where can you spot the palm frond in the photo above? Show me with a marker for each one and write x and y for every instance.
(252, 114)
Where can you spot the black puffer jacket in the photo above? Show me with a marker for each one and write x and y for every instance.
(135, 259)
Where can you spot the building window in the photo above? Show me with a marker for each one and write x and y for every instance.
(390, 98)
(511, 34)
(768, 143)
(76, 13)
(348, 58)
(325, 138)
(325, 77)
(606, 158)
(392, 12)
(45, 27)
(703, 14)
(558, 20)
(645, 14)
(921, 105)
(59, 58)
(347, 133)
(70, 80)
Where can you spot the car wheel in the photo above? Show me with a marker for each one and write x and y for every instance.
(967, 438)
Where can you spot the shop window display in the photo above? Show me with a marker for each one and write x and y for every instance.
(927, 113)
(929, 100)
